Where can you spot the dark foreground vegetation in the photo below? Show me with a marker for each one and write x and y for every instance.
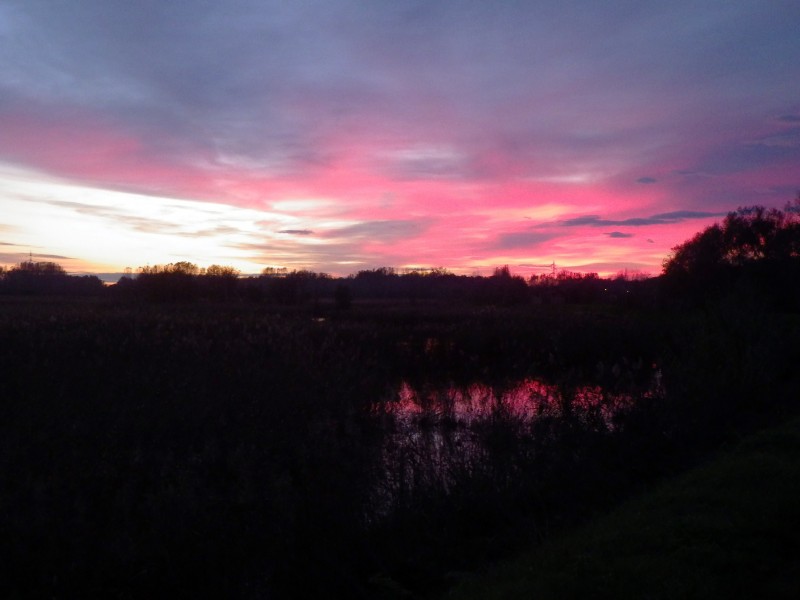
(200, 434)
(729, 528)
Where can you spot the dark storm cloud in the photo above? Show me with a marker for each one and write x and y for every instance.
(668, 218)
(619, 235)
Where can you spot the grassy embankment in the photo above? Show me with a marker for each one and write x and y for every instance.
(727, 529)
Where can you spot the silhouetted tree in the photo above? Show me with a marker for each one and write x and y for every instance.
(383, 282)
(753, 247)
(221, 271)
(502, 288)
(342, 296)
(47, 278)
(168, 283)
(747, 235)
(220, 281)
(295, 287)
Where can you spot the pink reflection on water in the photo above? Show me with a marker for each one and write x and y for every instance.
(438, 435)
(525, 400)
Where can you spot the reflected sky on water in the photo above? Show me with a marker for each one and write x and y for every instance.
(437, 435)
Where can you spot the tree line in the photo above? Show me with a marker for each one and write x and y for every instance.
(184, 281)
(46, 278)
(753, 248)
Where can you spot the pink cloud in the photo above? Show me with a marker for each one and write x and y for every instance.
(465, 212)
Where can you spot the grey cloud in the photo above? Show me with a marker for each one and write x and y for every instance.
(11, 257)
(683, 215)
(619, 235)
(593, 220)
(296, 231)
(427, 166)
(342, 251)
(204, 77)
(269, 81)
(118, 215)
(790, 118)
(53, 256)
(340, 257)
(380, 230)
(219, 230)
(667, 218)
(778, 147)
(16, 257)
(646, 180)
(787, 138)
(632, 267)
(521, 239)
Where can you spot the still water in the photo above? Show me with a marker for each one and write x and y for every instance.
(435, 436)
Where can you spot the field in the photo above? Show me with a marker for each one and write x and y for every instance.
(246, 450)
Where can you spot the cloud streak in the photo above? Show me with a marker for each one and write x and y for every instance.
(296, 231)
(669, 218)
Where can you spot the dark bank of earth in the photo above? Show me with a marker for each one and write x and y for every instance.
(727, 529)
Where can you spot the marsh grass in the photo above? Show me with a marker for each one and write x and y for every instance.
(232, 449)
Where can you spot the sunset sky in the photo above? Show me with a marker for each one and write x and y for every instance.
(339, 135)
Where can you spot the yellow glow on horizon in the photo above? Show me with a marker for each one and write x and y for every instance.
(103, 230)
(88, 229)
